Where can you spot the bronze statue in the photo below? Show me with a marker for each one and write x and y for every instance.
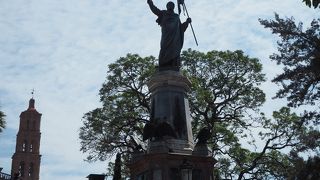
(203, 135)
(156, 132)
(172, 36)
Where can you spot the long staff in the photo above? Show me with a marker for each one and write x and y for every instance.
(194, 35)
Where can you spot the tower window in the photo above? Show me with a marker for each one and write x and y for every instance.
(24, 146)
(30, 170)
(21, 169)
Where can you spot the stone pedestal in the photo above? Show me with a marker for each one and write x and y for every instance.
(170, 153)
(172, 166)
(170, 145)
(169, 104)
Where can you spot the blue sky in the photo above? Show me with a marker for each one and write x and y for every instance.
(62, 49)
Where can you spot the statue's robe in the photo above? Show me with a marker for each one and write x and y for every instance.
(171, 38)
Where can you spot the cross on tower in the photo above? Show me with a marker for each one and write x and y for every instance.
(32, 93)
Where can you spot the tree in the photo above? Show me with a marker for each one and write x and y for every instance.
(117, 126)
(314, 3)
(117, 168)
(2, 121)
(299, 53)
(224, 97)
(305, 169)
(283, 131)
(224, 89)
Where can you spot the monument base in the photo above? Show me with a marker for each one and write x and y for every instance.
(170, 145)
(170, 154)
(170, 107)
(171, 166)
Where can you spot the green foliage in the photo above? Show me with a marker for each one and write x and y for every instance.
(299, 53)
(314, 3)
(125, 108)
(303, 169)
(225, 90)
(283, 132)
(278, 133)
(224, 87)
(2, 121)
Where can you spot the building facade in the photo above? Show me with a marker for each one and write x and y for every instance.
(26, 159)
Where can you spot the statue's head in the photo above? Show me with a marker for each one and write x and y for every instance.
(170, 6)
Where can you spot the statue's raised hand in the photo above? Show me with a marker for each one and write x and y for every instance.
(149, 1)
(189, 20)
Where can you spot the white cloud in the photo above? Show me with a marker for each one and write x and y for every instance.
(62, 48)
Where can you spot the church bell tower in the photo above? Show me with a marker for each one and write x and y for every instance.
(26, 159)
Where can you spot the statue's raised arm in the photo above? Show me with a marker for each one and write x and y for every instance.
(153, 8)
(172, 33)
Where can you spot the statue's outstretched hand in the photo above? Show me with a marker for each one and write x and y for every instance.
(189, 20)
(149, 1)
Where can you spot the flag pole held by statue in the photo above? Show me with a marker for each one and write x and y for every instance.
(181, 2)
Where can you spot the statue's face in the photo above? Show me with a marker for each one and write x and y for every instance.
(170, 5)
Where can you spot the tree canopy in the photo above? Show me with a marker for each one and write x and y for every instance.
(224, 87)
(312, 3)
(299, 53)
(225, 97)
(305, 169)
(2, 121)
(118, 124)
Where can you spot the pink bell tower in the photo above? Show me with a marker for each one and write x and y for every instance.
(26, 159)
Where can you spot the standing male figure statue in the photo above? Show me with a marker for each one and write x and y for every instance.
(172, 36)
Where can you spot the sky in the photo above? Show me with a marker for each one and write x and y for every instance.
(61, 48)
